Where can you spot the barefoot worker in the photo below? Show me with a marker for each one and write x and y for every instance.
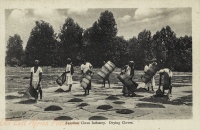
(69, 72)
(107, 78)
(151, 83)
(166, 73)
(86, 69)
(36, 77)
(129, 71)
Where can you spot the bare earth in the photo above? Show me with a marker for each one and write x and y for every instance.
(102, 103)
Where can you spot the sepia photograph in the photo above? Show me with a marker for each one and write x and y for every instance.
(98, 66)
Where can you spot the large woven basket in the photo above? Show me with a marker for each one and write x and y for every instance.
(61, 80)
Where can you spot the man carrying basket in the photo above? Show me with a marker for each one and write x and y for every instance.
(69, 72)
(128, 72)
(35, 80)
(166, 76)
(106, 79)
(151, 83)
(86, 69)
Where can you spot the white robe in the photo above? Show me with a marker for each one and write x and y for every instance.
(152, 81)
(69, 79)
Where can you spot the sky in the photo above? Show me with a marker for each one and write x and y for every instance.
(130, 21)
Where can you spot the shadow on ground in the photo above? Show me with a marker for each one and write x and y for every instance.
(164, 100)
(80, 95)
(30, 101)
(9, 97)
(187, 91)
(143, 90)
(149, 105)
(21, 92)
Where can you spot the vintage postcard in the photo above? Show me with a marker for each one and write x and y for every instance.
(100, 64)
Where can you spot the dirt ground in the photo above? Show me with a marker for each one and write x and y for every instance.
(102, 103)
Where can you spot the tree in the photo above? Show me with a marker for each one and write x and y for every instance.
(159, 49)
(14, 52)
(183, 54)
(120, 53)
(71, 40)
(107, 34)
(144, 52)
(169, 40)
(164, 42)
(99, 39)
(107, 25)
(41, 44)
(58, 58)
(133, 51)
(92, 49)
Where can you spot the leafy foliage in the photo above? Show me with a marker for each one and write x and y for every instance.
(70, 41)
(41, 44)
(98, 40)
(100, 43)
(14, 52)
